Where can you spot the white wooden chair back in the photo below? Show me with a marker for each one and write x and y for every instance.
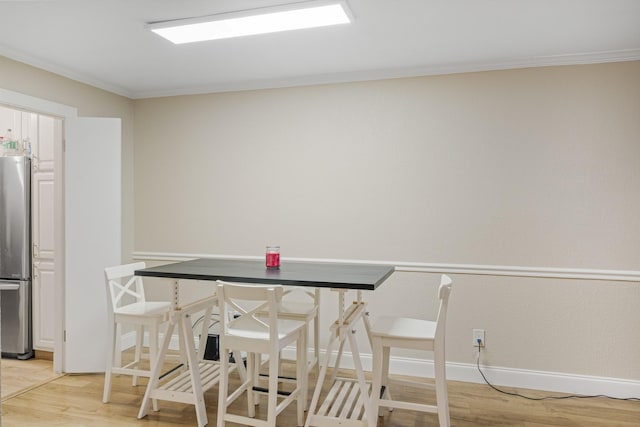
(121, 282)
(441, 322)
(235, 298)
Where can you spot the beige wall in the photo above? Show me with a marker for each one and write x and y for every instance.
(523, 167)
(532, 167)
(90, 102)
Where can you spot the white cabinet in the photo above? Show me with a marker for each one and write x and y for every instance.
(43, 133)
(46, 131)
(43, 259)
(43, 297)
(11, 119)
(42, 220)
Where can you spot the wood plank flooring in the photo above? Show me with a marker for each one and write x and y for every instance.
(76, 400)
(21, 375)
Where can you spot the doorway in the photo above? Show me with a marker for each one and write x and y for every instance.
(39, 137)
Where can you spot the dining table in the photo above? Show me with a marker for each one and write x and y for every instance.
(347, 402)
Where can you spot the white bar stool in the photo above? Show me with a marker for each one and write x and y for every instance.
(399, 332)
(128, 305)
(250, 323)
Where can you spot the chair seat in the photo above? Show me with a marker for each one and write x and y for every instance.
(404, 328)
(249, 328)
(148, 308)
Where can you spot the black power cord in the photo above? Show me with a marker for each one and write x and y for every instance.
(569, 396)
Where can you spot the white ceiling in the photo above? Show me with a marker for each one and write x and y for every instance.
(105, 43)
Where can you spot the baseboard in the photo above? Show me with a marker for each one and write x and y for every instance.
(557, 382)
(468, 372)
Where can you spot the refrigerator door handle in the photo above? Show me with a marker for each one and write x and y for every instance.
(9, 287)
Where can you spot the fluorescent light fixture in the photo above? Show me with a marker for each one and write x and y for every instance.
(294, 16)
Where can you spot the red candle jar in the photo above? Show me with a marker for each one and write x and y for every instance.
(273, 257)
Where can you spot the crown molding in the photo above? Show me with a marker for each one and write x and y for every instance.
(622, 55)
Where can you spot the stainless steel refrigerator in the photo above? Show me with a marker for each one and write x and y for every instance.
(15, 257)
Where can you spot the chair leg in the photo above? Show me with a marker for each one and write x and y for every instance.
(376, 385)
(138, 351)
(386, 356)
(302, 372)
(256, 362)
(240, 366)
(117, 352)
(223, 387)
(253, 371)
(442, 397)
(273, 389)
(308, 367)
(153, 355)
(316, 343)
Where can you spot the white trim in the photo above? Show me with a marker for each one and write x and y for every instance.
(35, 105)
(516, 271)
(417, 267)
(63, 71)
(622, 55)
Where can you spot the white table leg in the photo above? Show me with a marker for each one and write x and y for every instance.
(321, 377)
(342, 330)
(177, 389)
(154, 379)
(194, 371)
(364, 390)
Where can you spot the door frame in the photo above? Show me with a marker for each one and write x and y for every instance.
(64, 112)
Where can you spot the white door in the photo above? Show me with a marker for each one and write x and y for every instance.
(92, 236)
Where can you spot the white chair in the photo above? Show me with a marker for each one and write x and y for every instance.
(246, 328)
(398, 332)
(127, 305)
(302, 305)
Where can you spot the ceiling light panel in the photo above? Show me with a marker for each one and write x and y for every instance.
(295, 16)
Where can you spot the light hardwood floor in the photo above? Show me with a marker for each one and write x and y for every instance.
(76, 400)
(18, 376)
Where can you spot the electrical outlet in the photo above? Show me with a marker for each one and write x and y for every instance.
(478, 334)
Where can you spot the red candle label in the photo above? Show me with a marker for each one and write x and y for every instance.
(273, 260)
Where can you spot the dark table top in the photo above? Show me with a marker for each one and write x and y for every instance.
(314, 274)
